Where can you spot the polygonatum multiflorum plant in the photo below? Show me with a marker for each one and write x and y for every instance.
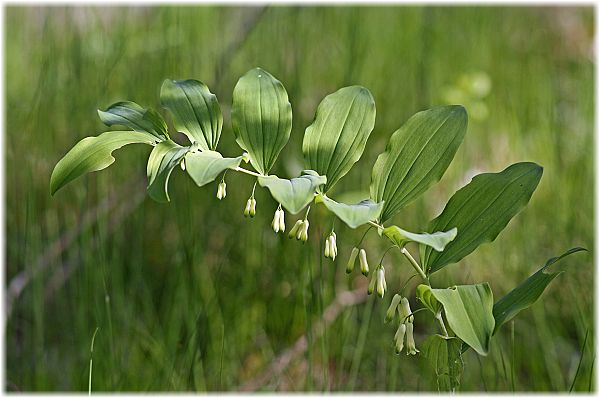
(416, 157)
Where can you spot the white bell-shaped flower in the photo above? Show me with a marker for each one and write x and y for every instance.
(352, 260)
(364, 265)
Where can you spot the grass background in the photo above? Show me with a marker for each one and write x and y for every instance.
(191, 296)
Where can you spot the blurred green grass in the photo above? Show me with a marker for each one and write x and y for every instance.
(191, 296)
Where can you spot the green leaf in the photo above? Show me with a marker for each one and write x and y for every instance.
(130, 114)
(417, 156)
(524, 295)
(468, 310)
(93, 154)
(480, 210)
(436, 240)
(425, 296)
(196, 111)
(261, 116)
(337, 137)
(205, 167)
(444, 355)
(163, 159)
(354, 215)
(293, 194)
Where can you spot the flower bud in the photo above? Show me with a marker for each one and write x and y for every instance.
(304, 231)
(281, 220)
(275, 223)
(391, 311)
(364, 265)
(381, 285)
(399, 338)
(252, 211)
(371, 287)
(222, 190)
(404, 311)
(333, 245)
(247, 209)
(182, 164)
(295, 228)
(411, 348)
(352, 260)
(327, 247)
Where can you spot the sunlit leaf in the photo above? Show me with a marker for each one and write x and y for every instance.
(93, 154)
(261, 116)
(163, 159)
(524, 295)
(437, 240)
(293, 194)
(468, 309)
(337, 137)
(417, 156)
(480, 210)
(205, 167)
(354, 215)
(444, 355)
(130, 114)
(196, 111)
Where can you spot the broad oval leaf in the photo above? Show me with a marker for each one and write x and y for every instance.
(468, 309)
(196, 111)
(354, 215)
(93, 154)
(130, 114)
(261, 116)
(337, 137)
(445, 356)
(205, 167)
(293, 194)
(480, 210)
(425, 296)
(524, 295)
(417, 156)
(163, 159)
(437, 240)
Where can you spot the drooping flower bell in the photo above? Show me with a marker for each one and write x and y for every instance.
(391, 311)
(222, 190)
(303, 232)
(372, 282)
(331, 246)
(352, 260)
(404, 311)
(381, 284)
(295, 229)
(250, 209)
(278, 223)
(411, 348)
(399, 338)
(364, 265)
(182, 164)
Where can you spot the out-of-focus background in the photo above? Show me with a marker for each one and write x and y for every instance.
(191, 296)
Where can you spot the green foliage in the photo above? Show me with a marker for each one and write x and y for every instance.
(93, 154)
(130, 114)
(294, 194)
(337, 137)
(468, 309)
(480, 210)
(353, 215)
(163, 159)
(417, 156)
(261, 116)
(445, 357)
(205, 167)
(437, 240)
(527, 293)
(196, 111)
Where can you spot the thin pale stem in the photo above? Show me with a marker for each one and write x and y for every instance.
(374, 224)
(250, 172)
(438, 316)
(414, 263)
